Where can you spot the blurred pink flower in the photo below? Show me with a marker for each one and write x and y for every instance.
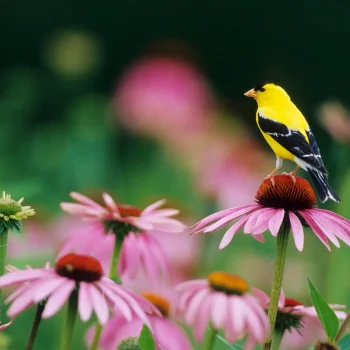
(163, 97)
(276, 199)
(305, 327)
(112, 214)
(96, 292)
(336, 120)
(167, 334)
(222, 300)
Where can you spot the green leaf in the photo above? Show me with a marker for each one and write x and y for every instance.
(344, 343)
(146, 341)
(230, 346)
(326, 315)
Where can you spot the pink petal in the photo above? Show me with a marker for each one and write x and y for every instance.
(282, 299)
(224, 221)
(84, 302)
(74, 208)
(186, 297)
(275, 222)
(23, 301)
(110, 203)
(117, 301)
(260, 313)
(253, 324)
(58, 298)
(47, 287)
(257, 217)
(317, 230)
(237, 315)
(259, 237)
(153, 207)
(99, 304)
(161, 214)
(4, 326)
(261, 296)
(193, 283)
(195, 305)
(22, 276)
(221, 214)
(84, 200)
(229, 234)
(297, 230)
(202, 320)
(218, 310)
(129, 256)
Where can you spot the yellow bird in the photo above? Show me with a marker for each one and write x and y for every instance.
(287, 132)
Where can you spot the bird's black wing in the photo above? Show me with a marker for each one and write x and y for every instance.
(293, 141)
(314, 146)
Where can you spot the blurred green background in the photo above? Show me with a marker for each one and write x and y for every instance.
(72, 105)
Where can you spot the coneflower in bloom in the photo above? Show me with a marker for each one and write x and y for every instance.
(285, 200)
(296, 321)
(167, 334)
(130, 226)
(222, 300)
(72, 274)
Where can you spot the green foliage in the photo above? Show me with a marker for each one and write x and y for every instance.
(344, 343)
(146, 341)
(326, 315)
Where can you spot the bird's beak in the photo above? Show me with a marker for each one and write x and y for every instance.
(251, 93)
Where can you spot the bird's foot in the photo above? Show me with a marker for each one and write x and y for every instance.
(292, 175)
(271, 178)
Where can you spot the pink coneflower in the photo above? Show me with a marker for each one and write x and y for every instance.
(222, 299)
(163, 97)
(281, 200)
(72, 273)
(167, 334)
(297, 322)
(115, 217)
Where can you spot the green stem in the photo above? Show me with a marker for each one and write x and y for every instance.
(114, 261)
(211, 339)
(70, 321)
(35, 327)
(3, 251)
(276, 340)
(343, 328)
(97, 336)
(114, 277)
(281, 252)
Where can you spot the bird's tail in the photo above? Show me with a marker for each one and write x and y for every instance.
(322, 186)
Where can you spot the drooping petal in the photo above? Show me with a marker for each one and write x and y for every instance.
(317, 230)
(282, 299)
(236, 314)
(22, 276)
(58, 298)
(84, 302)
(261, 296)
(195, 305)
(99, 304)
(229, 234)
(276, 221)
(297, 230)
(202, 319)
(218, 310)
(225, 220)
(256, 218)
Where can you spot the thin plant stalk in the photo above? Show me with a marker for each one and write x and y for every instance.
(211, 339)
(343, 328)
(72, 311)
(276, 340)
(281, 252)
(35, 326)
(3, 251)
(113, 276)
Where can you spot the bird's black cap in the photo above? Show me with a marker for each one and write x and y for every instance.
(260, 86)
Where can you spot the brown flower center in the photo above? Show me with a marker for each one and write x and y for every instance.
(326, 346)
(159, 302)
(128, 210)
(79, 268)
(227, 283)
(289, 302)
(285, 192)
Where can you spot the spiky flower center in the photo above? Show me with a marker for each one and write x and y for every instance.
(286, 192)
(80, 268)
(128, 210)
(287, 320)
(159, 302)
(9, 207)
(326, 346)
(121, 228)
(225, 282)
(129, 344)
